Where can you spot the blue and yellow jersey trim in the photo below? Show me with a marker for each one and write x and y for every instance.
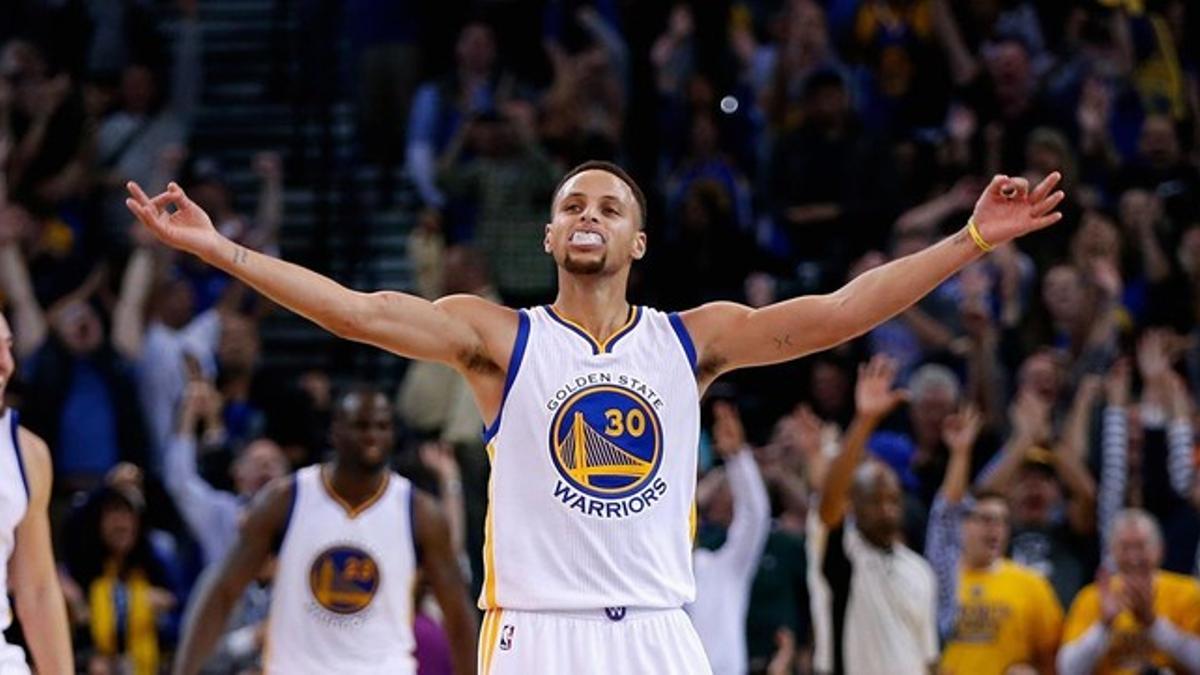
(487, 595)
(489, 635)
(599, 346)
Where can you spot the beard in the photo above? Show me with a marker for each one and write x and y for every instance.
(584, 267)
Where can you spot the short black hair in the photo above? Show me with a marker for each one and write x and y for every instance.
(608, 167)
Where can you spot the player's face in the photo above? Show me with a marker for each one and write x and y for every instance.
(8, 364)
(363, 432)
(595, 227)
(985, 532)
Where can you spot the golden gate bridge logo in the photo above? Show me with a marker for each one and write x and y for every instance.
(606, 441)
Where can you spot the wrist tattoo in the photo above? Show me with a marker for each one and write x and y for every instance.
(239, 255)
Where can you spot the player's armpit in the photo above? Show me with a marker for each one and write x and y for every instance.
(439, 566)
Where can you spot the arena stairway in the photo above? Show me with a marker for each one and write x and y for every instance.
(332, 218)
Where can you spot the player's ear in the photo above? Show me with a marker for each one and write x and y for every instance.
(639, 246)
(546, 239)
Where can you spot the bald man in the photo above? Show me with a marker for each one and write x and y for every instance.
(1141, 619)
(873, 598)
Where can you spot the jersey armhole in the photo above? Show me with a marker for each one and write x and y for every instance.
(685, 338)
(514, 365)
(287, 519)
(412, 525)
(16, 443)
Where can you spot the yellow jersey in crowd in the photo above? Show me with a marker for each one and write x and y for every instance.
(1007, 615)
(1176, 598)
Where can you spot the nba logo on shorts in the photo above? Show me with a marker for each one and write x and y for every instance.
(506, 637)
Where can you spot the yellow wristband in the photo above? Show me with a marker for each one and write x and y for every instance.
(973, 230)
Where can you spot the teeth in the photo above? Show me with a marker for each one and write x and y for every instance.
(586, 238)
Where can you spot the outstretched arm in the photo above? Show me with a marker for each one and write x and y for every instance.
(39, 598)
(874, 399)
(216, 598)
(440, 569)
(456, 330)
(730, 336)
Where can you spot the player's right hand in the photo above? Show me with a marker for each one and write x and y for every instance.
(187, 228)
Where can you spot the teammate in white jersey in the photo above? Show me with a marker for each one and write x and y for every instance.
(351, 537)
(25, 551)
(594, 406)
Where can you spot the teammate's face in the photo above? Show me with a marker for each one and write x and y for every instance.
(363, 432)
(596, 225)
(8, 364)
(985, 532)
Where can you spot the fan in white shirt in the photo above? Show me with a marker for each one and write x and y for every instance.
(724, 576)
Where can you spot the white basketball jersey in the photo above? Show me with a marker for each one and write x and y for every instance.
(593, 460)
(14, 500)
(343, 592)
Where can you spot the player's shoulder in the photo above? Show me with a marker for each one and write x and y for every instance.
(34, 454)
(272, 505)
(711, 314)
(475, 308)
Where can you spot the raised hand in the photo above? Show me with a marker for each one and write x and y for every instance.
(188, 228)
(267, 166)
(1111, 600)
(874, 397)
(1008, 209)
(1138, 592)
(438, 457)
(1154, 363)
(1117, 383)
(728, 434)
(961, 429)
(1030, 417)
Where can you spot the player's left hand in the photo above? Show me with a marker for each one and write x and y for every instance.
(1008, 209)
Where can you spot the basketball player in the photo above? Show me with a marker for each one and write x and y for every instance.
(25, 476)
(594, 406)
(351, 537)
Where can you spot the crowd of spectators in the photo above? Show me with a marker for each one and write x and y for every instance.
(1019, 451)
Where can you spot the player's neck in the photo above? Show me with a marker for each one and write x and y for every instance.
(352, 484)
(597, 303)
